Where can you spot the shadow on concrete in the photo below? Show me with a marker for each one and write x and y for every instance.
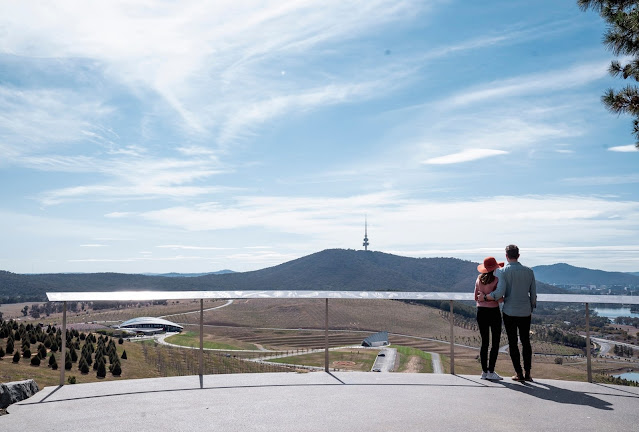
(557, 394)
(630, 394)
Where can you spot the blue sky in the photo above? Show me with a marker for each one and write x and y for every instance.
(140, 136)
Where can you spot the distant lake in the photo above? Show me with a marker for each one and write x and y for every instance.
(615, 312)
(630, 376)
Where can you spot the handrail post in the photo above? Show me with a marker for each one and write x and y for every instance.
(201, 354)
(64, 343)
(326, 338)
(588, 355)
(452, 340)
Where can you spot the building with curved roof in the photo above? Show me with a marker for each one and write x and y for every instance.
(150, 325)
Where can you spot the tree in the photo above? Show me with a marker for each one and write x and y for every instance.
(16, 357)
(35, 361)
(25, 310)
(1, 353)
(52, 361)
(101, 372)
(83, 366)
(622, 38)
(123, 356)
(67, 361)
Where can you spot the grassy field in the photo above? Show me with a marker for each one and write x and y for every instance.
(413, 360)
(192, 339)
(352, 360)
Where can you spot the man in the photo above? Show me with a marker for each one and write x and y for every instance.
(517, 287)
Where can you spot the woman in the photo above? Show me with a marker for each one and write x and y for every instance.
(488, 316)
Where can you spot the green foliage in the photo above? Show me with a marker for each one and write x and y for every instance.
(101, 370)
(16, 357)
(559, 360)
(53, 361)
(26, 353)
(622, 33)
(71, 379)
(83, 366)
(35, 361)
(123, 356)
(120, 341)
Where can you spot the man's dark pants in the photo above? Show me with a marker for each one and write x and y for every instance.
(521, 325)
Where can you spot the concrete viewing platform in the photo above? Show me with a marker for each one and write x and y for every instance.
(320, 401)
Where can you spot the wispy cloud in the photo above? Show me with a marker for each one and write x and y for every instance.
(537, 83)
(624, 149)
(464, 156)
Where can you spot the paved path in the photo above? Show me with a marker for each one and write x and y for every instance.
(437, 363)
(228, 302)
(319, 401)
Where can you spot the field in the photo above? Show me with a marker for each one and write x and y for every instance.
(291, 327)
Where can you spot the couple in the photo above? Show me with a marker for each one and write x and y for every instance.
(516, 288)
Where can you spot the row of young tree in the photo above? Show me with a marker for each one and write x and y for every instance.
(624, 351)
(93, 351)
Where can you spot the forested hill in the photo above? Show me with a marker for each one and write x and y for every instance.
(569, 275)
(333, 269)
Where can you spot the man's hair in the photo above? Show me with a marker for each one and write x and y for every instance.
(512, 251)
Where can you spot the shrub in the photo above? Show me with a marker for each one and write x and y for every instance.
(71, 379)
(559, 360)
(35, 361)
(123, 356)
(83, 366)
(9, 346)
(1, 353)
(120, 341)
(101, 372)
(116, 370)
(16, 357)
(26, 353)
(52, 361)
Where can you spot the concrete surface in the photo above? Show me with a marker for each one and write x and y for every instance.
(343, 401)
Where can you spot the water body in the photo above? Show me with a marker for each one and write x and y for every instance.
(616, 312)
(630, 376)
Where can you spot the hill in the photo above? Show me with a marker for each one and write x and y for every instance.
(565, 274)
(332, 269)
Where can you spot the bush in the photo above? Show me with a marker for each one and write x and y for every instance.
(16, 357)
(101, 372)
(9, 346)
(1, 353)
(120, 341)
(559, 360)
(26, 353)
(116, 370)
(35, 361)
(83, 366)
(123, 356)
(53, 361)
(71, 379)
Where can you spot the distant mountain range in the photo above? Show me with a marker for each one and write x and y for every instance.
(332, 269)
(565, 274)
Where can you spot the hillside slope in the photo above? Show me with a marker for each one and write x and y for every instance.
(332, 269)
(569, 275)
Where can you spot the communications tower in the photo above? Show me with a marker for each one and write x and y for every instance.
(365, 244)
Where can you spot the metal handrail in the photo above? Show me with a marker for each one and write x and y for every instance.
(359, 295)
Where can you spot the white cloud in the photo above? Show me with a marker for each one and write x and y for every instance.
(464, 156)
(624, 149)
(533, 84)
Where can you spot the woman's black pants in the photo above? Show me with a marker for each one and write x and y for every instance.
(489, 321)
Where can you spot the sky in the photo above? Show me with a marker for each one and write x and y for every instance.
(189, 136)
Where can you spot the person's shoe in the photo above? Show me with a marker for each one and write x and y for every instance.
(518, 378)
(492, 376)
(527, 377)
(483, 375)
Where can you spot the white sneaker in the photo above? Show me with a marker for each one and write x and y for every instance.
(493, 376)
(484, 375)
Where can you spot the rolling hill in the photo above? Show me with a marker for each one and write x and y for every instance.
(565, 274)
(332, 269)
